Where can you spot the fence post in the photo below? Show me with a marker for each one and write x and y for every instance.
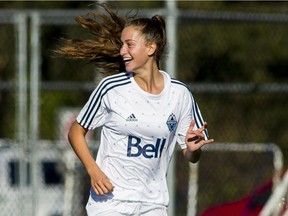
(171, 20)
(21, 122)
(34, 105)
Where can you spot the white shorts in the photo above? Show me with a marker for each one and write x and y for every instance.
(110, 207)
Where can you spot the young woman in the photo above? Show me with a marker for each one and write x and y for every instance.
(143, 113)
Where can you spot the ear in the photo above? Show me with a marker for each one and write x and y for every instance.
(151, 48)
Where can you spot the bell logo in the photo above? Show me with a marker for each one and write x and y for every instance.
(134, 148)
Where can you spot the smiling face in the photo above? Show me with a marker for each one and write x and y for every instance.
(135, 51)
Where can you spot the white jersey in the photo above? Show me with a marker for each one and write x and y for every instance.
(139, 133)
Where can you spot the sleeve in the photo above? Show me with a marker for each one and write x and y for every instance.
(190, 111)
(92, 115)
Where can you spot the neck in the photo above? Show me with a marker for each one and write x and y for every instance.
(152, 82)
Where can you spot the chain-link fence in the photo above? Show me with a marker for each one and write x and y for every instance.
(234, 63)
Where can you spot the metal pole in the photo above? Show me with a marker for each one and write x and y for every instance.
(171, 20)
(171, 24)
(34, 105)
(21, 120)
(192, 189)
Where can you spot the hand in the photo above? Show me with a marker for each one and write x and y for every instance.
(195, 139)
(100, 182)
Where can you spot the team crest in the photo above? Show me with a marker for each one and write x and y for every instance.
(171, 122)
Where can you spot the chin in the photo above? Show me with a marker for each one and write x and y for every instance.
(128, 69)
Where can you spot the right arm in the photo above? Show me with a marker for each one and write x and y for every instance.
(99, 181)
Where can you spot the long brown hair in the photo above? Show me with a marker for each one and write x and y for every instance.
(104, 48)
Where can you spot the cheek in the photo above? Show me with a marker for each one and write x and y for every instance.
(140, 53)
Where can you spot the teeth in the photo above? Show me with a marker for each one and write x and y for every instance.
(127, 59)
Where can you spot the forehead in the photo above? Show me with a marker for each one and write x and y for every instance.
(131, 33)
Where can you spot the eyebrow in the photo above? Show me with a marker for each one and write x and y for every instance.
(129, 40)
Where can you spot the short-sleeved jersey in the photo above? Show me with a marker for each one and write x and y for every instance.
(139, 133)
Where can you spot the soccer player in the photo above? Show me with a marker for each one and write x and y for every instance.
(142, 111)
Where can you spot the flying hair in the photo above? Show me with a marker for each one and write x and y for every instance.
(103, 49)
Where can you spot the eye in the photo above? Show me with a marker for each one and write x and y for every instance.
(123, 47)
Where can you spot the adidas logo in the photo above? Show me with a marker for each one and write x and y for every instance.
(132, 118)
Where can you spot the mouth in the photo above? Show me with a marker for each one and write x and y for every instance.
(126, 60)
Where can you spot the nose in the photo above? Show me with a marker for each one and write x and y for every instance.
(122, 50)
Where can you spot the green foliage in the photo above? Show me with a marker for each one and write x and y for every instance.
(225, 52)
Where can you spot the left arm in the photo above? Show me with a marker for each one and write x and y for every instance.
(194, 140)
(192, 157)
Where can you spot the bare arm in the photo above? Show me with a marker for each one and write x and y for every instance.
(194, 156)
(194, 141)
(99, 181)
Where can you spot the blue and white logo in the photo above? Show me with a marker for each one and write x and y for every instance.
(136, 148)
(171, 122)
